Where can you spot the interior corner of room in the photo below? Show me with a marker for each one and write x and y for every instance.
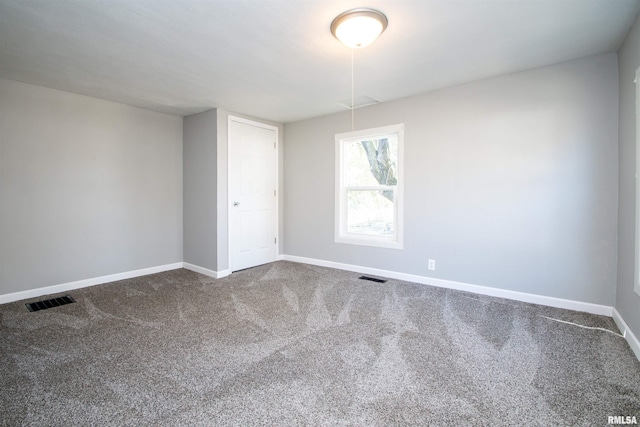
(520, 185)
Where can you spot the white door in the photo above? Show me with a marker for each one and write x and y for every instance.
(253, 225)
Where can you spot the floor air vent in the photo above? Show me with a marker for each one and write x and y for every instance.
(372, 279)
(49, 303)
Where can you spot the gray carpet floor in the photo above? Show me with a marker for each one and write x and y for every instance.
(293, 344)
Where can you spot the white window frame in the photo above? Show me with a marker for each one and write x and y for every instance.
(636, 285)
(341, 234)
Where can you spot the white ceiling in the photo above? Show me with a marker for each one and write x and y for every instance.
(277, 60)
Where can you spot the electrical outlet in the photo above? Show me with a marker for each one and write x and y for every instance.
(432, 264)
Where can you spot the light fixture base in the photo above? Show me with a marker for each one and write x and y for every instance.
(359, 27)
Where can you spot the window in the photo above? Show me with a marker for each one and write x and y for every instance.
(369, 187)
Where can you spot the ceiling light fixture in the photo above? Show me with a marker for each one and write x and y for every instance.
(358, 28)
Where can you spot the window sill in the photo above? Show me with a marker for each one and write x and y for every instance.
(370, 241)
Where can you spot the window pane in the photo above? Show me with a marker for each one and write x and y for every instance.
(371, 161)
(370, 212)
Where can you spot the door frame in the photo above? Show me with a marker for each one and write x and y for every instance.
(276, 152)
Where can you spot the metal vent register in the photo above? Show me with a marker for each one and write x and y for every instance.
(372, 279)
(49, 303)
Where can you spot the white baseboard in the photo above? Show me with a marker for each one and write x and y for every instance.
(63, 287)
(206, 271)
(484, 290)
(477, 289)
(633, 341)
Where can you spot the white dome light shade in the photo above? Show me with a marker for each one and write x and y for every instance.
(358, 27)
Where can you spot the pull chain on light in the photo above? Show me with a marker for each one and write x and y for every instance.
(352, 84)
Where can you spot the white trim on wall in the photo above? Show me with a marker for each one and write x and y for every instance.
(63, 287)
(636, 285)
(449, 284)
(633, 341)
(478, 289)
(206, 271)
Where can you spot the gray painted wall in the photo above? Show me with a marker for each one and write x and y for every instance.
(511, 182)
(200, 197)
(87, 187)
(627, 301)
